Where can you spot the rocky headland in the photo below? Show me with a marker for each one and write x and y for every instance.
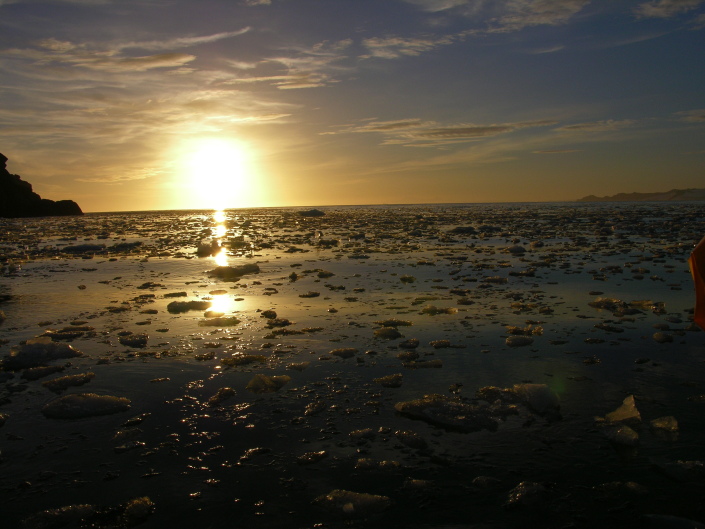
(18, 200)
(674, 195)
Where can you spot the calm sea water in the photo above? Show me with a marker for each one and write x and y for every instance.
(459, 279)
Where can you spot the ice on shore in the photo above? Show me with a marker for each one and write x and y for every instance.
(36, 352)
(347, 503)
(266, 384)
(80, 405)
(627, 412)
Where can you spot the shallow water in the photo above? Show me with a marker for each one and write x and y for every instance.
(110, 275)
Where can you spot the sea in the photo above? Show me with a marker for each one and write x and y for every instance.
(418, 366)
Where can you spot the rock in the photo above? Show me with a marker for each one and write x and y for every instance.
(36, 352)
(349, 503)
(18, 200)
(266, 384)
(80, 405)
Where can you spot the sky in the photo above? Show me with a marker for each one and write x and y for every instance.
(125, 105)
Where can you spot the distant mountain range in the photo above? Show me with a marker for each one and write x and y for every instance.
(674, 195)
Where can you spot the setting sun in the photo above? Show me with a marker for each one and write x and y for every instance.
(218, 174)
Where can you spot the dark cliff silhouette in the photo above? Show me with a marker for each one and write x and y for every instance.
(18, 200)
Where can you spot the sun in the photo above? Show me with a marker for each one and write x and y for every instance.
(219, 174)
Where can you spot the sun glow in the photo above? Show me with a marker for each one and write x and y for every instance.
(218, 174)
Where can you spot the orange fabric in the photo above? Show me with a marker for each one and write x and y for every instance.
(697, 269)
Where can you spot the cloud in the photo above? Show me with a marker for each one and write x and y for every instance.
(556, 151)
(598, 126)
(434, 6)
(182, 42)
(520, 14)
(418, 133)
(312, 67)
(692, 116)
(395, 47)
(665, 8)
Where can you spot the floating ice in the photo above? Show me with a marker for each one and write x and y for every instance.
(266, 384)
(349, 503)
(627, 412)
(177, 307)
(449, 413)
(36, 352)
(233, 273)
(58, 385)
(79, 405)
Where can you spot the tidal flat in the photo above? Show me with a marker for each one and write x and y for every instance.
(465, 366)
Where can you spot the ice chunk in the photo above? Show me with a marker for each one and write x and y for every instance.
(519, 340)
(38, 351)
(622, 435)
(81, 405)
(58, 385)
(344, 352)
(353, 503)
(669, 424)
(267, 384)
(526, 494)
(444, 411)
(177, 307)
(626, 412)
(538, 397)
(390, 381)
(233, 273)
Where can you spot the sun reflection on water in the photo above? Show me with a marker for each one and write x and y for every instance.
(222, 303)
(219, 231)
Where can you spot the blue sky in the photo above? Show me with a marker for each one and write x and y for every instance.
(316, 102)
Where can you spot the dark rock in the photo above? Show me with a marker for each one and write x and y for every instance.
(18, 200)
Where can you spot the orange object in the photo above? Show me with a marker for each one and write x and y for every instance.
(697, 269)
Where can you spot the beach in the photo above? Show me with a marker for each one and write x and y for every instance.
(479, 365)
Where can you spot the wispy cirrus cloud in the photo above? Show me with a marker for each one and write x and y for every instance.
(665, 8)
(110, 57)
(312, 67)
(598, 126)
(692, 116)
(519, 14)
(419, 133)
(395, 47)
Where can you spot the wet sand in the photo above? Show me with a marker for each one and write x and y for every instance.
(268, 368)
